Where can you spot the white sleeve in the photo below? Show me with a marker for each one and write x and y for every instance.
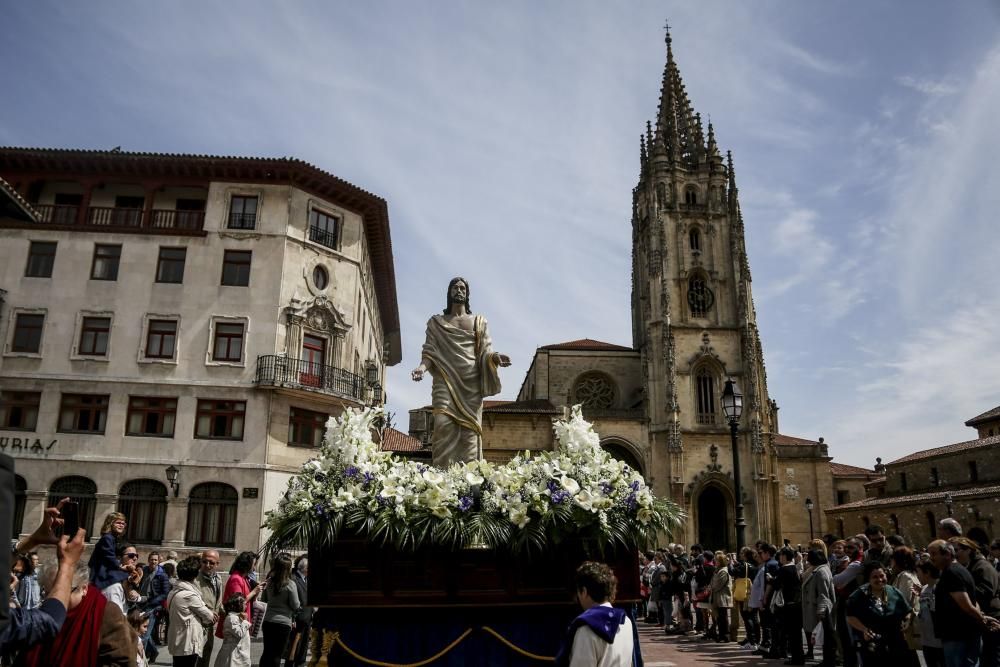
(115, 593)
(588, 648)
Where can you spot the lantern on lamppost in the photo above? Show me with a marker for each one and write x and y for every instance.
(172, 474)
(948, 502)
(732, 407)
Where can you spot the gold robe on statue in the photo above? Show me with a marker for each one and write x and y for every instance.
(464, 369)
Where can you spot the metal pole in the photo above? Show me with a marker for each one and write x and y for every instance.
(811, 535)
(741, 525)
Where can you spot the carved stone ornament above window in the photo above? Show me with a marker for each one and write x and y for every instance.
(319, 314)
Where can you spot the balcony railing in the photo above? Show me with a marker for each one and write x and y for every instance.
(109, 217)
(281, 371)
(323, 237)
(242, 220)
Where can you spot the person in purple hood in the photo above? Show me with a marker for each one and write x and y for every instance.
(602, 636)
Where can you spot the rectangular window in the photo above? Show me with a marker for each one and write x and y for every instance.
(228, 345)
(973, 472)
(151, 416)
(190, 213)
(242, 212)
(170, 265)
(94, 334)
(28, 333)
(83, 413)
(19, 410)
(105, 265)
(902, 481)
(843, 497)
(67, 207)
(935, 478)
(305, 427)
(323, 228)
(41, 259)
(236, 268)
(161, 337)
(220, 420)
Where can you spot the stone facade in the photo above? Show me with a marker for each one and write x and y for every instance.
(305, 326)
(914, 492)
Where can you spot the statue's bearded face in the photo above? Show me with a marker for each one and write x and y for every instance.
(459, 292)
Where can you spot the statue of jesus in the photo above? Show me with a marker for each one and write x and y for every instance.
(458, 353)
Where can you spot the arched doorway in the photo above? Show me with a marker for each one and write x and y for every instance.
(713, 519)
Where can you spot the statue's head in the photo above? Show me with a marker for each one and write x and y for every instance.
(458, 292)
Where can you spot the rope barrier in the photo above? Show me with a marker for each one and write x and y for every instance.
(508, 644)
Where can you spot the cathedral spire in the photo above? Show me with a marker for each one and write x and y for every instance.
(713, 148)
(678, 129)
(734, 205)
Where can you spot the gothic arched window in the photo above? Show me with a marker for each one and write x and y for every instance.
(931, 527)
(700, 297)
(694, 239)
(595, 391)
(704, 381)
(691, 195)
(144, 502)
(212, 516)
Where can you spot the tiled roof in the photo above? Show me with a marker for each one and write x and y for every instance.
(968, 445)
(919, 498)
(878, 481)
(588, 344)
(844, 470)
(397, 441)
(989, 415)
(535, 406)
(780, 439)
(14, 205)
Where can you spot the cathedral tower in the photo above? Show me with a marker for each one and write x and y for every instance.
(694, 324)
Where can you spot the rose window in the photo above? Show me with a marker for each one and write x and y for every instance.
(595, 391)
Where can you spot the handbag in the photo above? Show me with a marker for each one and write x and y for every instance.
(257, 614)
(741, 588)
(703, 594)
(777, 601)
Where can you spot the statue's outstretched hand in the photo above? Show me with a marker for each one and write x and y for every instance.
(503, 360)
(418, 373)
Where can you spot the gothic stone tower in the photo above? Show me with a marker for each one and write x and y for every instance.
(694, 325)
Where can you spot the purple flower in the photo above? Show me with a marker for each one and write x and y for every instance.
(351, 471)
(635, 485)
(369, 478)
(630, 502)
(464, 503)
(553, 485)
(606, 488)
(559, 497)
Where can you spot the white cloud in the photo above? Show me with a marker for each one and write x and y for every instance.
(929, 87)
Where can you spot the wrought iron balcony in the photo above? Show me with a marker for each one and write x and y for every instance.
(112, 218)
(281, 371)
(323, 237)
(242, 220)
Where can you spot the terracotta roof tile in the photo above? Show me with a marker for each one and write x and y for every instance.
(397, 441)
(536, 406)
(588, 344)
(780, 439)
(968, 445)
(919, 498)
(844, 470)
(989, 415)
(878, 481)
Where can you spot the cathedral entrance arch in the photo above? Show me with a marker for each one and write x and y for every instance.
(713, 519)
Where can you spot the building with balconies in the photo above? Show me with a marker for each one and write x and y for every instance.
(175, 331)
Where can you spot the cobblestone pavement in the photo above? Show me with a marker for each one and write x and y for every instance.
(256, 647)
(660, 650)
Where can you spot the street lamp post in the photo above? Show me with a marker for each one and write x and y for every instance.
(948, 502)
(732, 406)
(809, 507)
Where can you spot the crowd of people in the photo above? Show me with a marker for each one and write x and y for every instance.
(113, 610)
(863, 599)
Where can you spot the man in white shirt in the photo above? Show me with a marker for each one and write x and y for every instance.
(602, 636)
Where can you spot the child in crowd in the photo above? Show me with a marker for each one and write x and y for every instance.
(139, 622)
(235, 651)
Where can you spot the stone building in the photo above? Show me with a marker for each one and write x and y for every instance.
(176, 329)
(913, 493)
(656, 403)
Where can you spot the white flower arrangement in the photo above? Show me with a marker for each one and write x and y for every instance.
(577, 489)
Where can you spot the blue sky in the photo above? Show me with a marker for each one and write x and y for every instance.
(505, 138)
